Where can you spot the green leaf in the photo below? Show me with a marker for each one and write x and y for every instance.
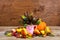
(50, 34)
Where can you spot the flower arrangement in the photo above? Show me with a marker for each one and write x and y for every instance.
(32, 27)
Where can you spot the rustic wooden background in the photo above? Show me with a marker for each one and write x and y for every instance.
(48, 10)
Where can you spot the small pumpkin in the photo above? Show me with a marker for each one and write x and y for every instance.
(41, 26)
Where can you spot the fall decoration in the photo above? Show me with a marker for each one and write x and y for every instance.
(31, 27)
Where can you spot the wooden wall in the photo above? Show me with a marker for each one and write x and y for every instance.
(48, 10)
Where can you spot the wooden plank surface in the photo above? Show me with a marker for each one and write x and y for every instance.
(11, 10)
(55, 30)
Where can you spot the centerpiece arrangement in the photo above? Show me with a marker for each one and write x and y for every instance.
(32, 26)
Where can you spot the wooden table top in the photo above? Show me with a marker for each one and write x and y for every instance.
(55, 30)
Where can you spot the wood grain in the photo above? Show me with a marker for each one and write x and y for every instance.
(11, 10)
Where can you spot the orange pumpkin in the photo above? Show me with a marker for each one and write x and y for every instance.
(41, 26)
